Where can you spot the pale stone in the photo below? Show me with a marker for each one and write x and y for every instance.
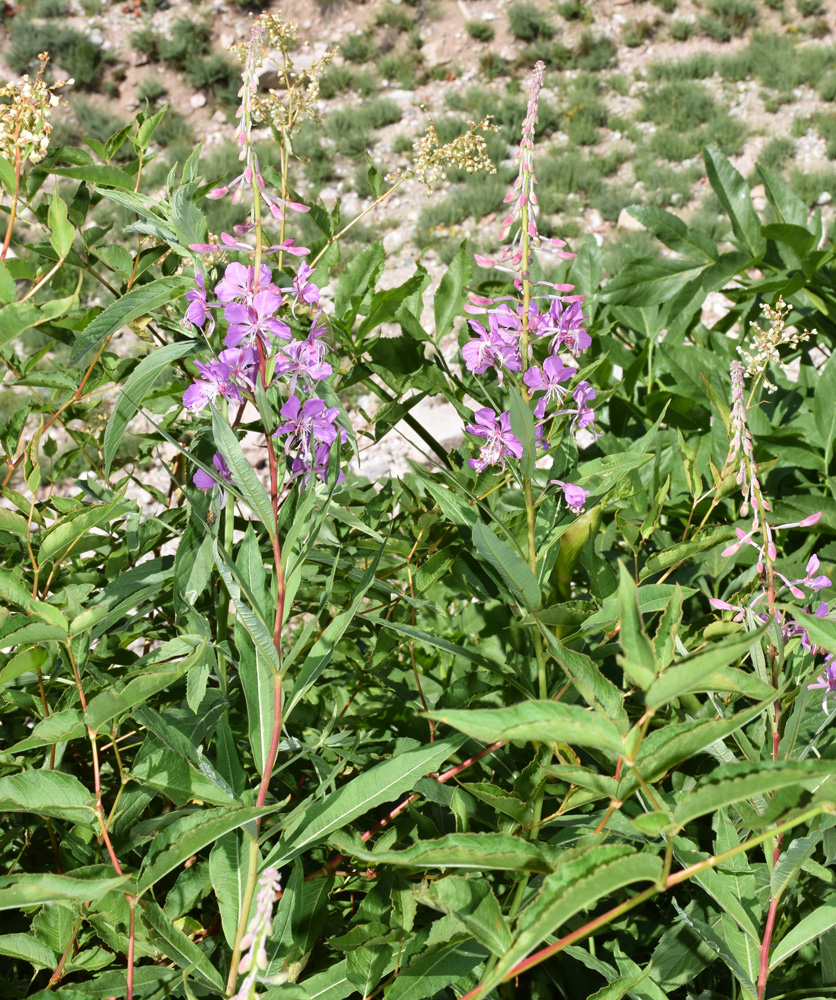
(824, 198)
(628, 223)
(328, 197)
(197, 101)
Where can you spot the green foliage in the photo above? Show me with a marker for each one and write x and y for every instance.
(528, 23)
(576, 10)
(358, 48)
(482, 31)
(594, 53)
(638, 32)
(68, 48)
(681, 30)
(728, 19)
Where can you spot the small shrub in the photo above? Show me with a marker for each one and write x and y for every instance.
(637, 33)
(214, 73)
(528, 23)
(809, 8)
(584, 123)
(817, 28)
(69, 49)
(696, 67)
(668, 6)
(188, 42)
(595, 52)
(827, 88)
(681, 105)
(393, 16)
(809, 186)
(576, 10)
(555, 55)
(318, 163)
(334, 81)
(358, 48)
(50, 8)
(174, 130)
(366, 83)
(681, 30)
(775, 153)
(151, 89)
(351, 128)
(99, 123)
(775, 4)
(480, 30)
(147, 41)
(728, 19)
(800, 126)
(403, 144)
(492, 65)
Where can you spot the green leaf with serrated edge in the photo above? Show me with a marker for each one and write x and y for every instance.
(665, 748)
(311, 823)
(60, 539)
(437, 969)
(333, 984)
(130, 306)
(535, 721)
(522, 424)
(508, 565)
(649, 281)
(824, 411)
(573, 774)
(448, 300)
(721, 944)
(788, 206)
(687, 672)
(98, 175)
(228, 869)
(358, 277)
(17, 891)
(472, 902)
(454, 650)
(500, 851)
(723, 888)
(61, 229)
(506, 803)
(673, 232)
(116, 701)
(587, 679)
(258, 681)
(243, 474)
(18, 629)
(28, 948)
(575, 886)
(196, 839)
(135, 389)
(615, 991)
(15, 319)
(637, 659)
(322, 650)
(33, 659)
(180, 948)
(48, 793)
(366, 966)
(681, 551)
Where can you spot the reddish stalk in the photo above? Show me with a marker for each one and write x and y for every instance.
(13, 207)
(129, 986)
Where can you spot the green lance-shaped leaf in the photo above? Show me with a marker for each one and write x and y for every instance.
(180, 948)
(64, 536)
(48, 793)
(56, 728)
(536, 721)
(733, 192)
(437, 969)
(228, 870)
(312, 823)
(135, 303)
(737, 782)
(61, 229)
(587, 678)
(638, 659)
(12, 522)
(508, 566)
(522, 424)
(478, 851)
(724, 946)
(136, 388)
(649, 281)
(805, 931)
(577, 885)
(28, 948)
(472, 902)
(448, 300)
(673, 232)
(17, 891)
(686, 674)
(195, 839)
(243, 474)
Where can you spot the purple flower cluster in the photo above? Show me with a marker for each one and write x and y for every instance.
(251, 305)
(500, 442)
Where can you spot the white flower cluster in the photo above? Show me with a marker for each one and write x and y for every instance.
(25, 124)
(765, 343)
(468, 151)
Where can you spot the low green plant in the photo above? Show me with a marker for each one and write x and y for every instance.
(174, 130)
(147, 41)
(668, 6)
(493, 66)
(68, 48)
(576, 10)
(365, 83)
(187, 42)
(528, 23)
(394, 16)
(595, 52)
(335, 80)
(699, 66)
(809, 8)
(584, 120)
(50, 8)
(827, 87)
(681, 29)
(810, 185)
(215, 74)
(638, 32)
(152, 89)
(776, 153)
(728, 19)
(358, 48)
(482, 31)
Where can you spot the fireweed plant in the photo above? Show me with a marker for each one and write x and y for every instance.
(548, 715)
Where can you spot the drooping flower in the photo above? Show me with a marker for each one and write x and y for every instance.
(255, 320)
(198, 311)
(204, 481)
(583, 414)
(826, 680)
(500, 442)
(242, 363)
(574, 496)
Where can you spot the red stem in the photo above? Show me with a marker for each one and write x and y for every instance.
(129, 990)
(767, 940)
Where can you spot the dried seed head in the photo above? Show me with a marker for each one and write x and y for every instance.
(25, 125)
(765, 343)
(468, 151)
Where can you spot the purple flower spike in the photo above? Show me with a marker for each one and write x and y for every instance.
(216, 380)
(566, 327)
(826, 680)
(574, 496)
(500, 442)
(203, 481)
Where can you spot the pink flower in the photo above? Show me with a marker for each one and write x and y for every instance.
(826, 680)
(574, 496)
(500, 442)
(548, 379)
(237, 282)
(203, 481)
(255, 320)
(493, 347)
(198, 310)
(216, 381)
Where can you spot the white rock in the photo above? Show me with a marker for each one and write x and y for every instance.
(328, 197)
(759, 204)
(96, 37)
(824, 198)
(489, 16)
(219, 118)
(197, 101)
(628, 223)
